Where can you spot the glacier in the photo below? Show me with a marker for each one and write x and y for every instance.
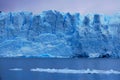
(56, 34)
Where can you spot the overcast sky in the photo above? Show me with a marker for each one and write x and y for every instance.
(82, 6)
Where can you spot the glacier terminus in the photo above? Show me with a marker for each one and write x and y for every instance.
(55, 34)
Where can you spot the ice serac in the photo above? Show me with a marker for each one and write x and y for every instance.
(56, 34)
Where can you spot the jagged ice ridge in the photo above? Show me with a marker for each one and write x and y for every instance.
(56, 34)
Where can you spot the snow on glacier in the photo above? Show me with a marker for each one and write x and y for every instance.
(56, 34)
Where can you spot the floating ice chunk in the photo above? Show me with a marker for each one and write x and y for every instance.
(73, 71)
(16, 69)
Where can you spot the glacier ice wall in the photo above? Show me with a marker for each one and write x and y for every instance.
(55, 34)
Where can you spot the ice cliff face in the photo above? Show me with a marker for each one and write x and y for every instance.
(55, 34)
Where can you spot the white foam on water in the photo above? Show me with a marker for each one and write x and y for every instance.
(75, 71)
(16, 69)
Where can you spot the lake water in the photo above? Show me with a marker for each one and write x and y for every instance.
(59, 69)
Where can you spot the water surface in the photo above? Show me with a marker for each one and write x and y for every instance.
(21, 69)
